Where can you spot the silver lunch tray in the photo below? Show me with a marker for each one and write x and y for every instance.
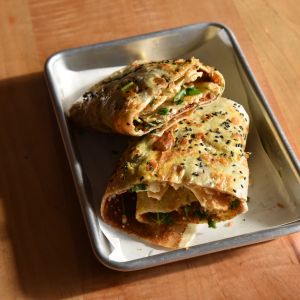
(69, 72)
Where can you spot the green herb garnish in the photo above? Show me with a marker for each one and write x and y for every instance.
(160, 218)
(178, 99)
(202, 215)
(163, 111)
(152, 124)
(234, 204)
(187, 210)
(127, 86)
(138, 187)
(193, 91)
(212, 223)
(138, 121)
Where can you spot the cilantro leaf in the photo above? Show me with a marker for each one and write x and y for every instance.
(234, 204)
(212, 223)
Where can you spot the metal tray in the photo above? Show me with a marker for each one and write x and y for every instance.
(177, 42)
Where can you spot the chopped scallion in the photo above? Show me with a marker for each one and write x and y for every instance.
(193, 91)
(202, 215)
(127, 86)
(163, 111)
(187, 210)
(160, 218)
(234, 204)
(212, 223)
(138, 187)
(178, 99)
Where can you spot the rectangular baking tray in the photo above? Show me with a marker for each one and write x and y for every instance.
(178, 42)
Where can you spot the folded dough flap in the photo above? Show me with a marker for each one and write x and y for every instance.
(185, 205)
(194, 172)
(147, 95)
(119, 211)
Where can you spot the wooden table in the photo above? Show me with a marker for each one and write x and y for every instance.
(44, 248)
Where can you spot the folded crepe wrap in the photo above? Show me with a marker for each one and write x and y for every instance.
(146, 96)
(195, 172)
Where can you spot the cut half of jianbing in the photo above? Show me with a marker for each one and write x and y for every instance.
(195, 172)
(146, 96)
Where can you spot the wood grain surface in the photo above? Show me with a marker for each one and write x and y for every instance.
(44, 248)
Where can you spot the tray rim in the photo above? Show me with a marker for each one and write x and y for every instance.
(180, 254)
